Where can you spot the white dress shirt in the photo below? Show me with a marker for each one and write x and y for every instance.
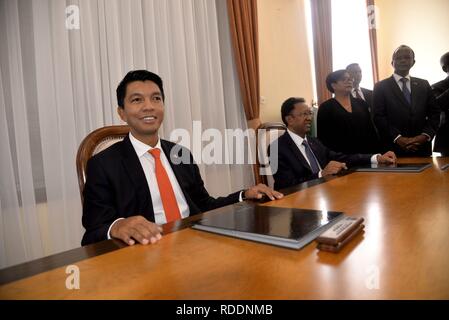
(398, 78)
(147, 162)
(298, 140)
(148, 166)
(359, 90)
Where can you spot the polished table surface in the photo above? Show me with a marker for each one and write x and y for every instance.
(403, 253)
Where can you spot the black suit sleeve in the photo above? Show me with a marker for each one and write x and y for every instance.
(432, 113)
(325, 155)
(98, 210)
(442, 99)
(291, 171)
(286, 176)
(201, 197)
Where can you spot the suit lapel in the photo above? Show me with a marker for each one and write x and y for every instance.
(398, 93)
(298, 154)
(366, 93)
(414, 86)
(133, 168)
(316, 151)
(180, 173)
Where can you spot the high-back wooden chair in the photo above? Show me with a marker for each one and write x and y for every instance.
(271, 131)
(96, 141)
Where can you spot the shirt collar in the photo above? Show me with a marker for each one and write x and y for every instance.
(296, 138)
(398, 78)
(142, 148)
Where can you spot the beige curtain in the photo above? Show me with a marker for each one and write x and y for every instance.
(373, 38)
(244, 35)
(322, 43)
(58, 84)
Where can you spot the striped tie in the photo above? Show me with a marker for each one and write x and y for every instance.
(313, 163)
(405, 91)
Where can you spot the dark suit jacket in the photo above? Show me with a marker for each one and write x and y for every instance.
(294, 169)
(441, 91)
(116, 187)
(368, 94)
(393, 116)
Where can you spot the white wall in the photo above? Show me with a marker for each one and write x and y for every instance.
(285, 67)
(422, 25)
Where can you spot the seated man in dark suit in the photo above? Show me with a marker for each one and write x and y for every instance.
(301, 158)
(404, 109)
(441, 92)
(358, 92)
(137, 184)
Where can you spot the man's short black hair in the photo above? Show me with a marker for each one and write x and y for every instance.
(288, 106)
(333, 77)
(137, 75)
(349, 66)
(403, 46)
(444, 61)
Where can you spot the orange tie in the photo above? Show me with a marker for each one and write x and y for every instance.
(165, 189)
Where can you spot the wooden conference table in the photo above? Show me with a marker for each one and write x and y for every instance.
(403, 254)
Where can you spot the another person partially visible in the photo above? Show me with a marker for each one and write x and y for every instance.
(301, 158)
(441, 91)
(357, 91)
(405, 111)
(343, 122)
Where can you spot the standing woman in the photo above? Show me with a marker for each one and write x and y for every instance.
(344, 123)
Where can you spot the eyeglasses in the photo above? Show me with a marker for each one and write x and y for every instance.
(303, 114)
(346, 79)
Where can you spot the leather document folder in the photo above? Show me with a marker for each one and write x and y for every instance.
(285, 227)
(399, 167)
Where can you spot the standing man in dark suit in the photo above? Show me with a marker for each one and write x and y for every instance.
(404, 108)
(302, 158)
(358, 92)
(441, 92)
(137, 184)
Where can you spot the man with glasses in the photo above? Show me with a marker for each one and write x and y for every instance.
(302, 158)
(357, 91)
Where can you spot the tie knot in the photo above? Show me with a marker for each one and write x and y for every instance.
(404, 80)
(304, 142)
(155, 152)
